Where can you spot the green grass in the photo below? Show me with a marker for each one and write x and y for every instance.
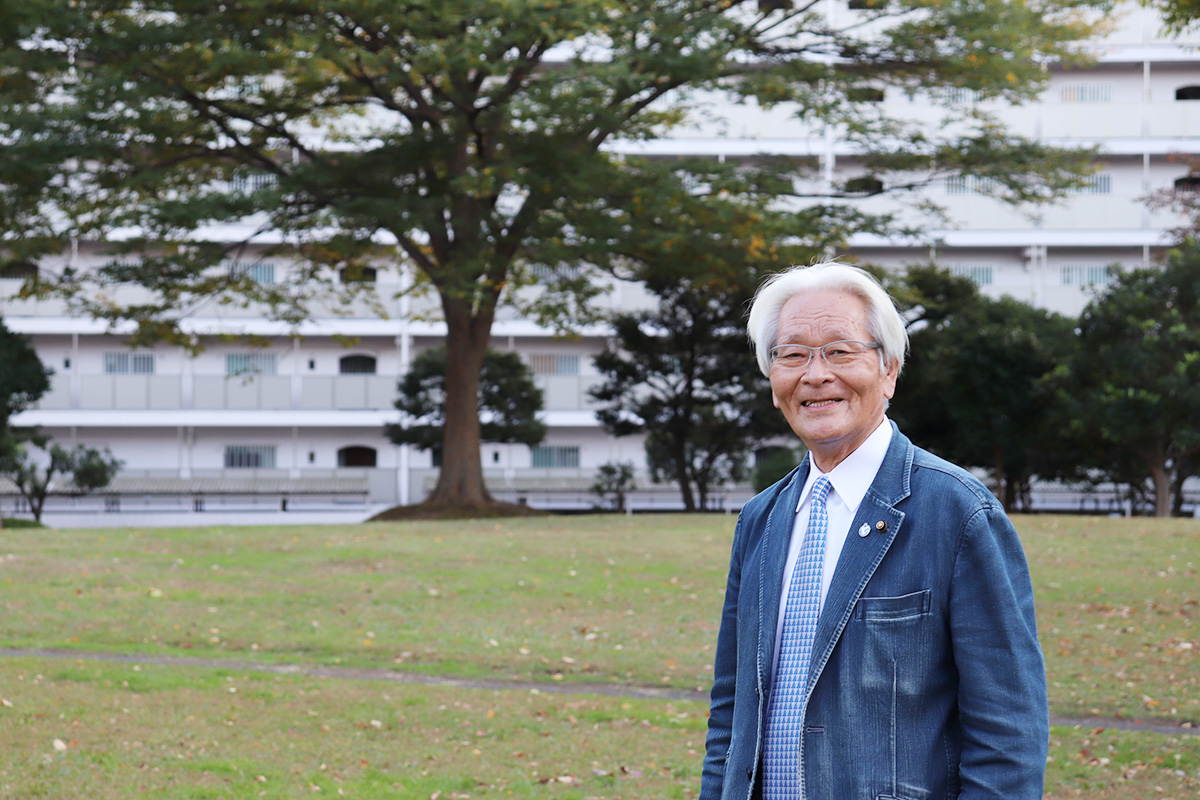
(548, 602)
(1119, 613)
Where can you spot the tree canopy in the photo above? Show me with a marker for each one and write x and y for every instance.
(683, 375)
(972, 388)
(1133, 384)
(23, 377)
(1178, 16)
(471, 139)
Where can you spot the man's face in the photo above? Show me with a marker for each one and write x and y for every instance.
(832, 410)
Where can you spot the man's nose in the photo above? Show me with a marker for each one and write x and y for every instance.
(818, 370)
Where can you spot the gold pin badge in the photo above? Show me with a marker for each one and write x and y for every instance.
(881, 526)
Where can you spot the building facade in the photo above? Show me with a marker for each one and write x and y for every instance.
(294, 430)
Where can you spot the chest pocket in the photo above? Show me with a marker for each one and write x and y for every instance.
(893, 609)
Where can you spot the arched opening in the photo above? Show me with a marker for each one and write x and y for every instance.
(357, 456)
(1187, 93)
(1188, 183)
(357, 365)
(866, 185)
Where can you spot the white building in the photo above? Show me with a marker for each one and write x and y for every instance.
(294, 431)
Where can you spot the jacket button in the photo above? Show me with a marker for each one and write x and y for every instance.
(757, 691)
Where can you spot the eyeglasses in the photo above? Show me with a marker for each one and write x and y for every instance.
(835, 354)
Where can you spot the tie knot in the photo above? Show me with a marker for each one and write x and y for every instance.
(820, 490)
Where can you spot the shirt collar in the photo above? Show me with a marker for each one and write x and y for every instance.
(853, 476)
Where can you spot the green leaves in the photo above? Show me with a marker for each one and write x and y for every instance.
(971, 390)
(23, 377)
(1135, 382)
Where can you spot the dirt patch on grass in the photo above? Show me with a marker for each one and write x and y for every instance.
(435, 511)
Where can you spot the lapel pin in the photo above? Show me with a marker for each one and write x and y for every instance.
(881, 526)
(864, 530)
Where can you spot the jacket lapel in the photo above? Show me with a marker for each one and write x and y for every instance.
(777, 535)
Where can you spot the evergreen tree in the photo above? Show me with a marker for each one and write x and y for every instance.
(1132, 387)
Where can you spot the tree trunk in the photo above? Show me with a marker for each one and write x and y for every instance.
(1162, 489)
(460, 481)
(684, 479)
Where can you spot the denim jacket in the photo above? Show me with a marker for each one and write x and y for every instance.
(926, 680)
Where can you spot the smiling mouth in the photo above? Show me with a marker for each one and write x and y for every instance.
(819, 403)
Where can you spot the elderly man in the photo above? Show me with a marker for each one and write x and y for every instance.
(878, 639)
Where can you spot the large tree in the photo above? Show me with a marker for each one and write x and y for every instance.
(683, 375)
(682, 372)
(474, 136)
(1133, 384)
(972, 388)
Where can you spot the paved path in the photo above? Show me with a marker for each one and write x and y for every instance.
(609, 689)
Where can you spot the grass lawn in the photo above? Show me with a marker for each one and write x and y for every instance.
(548, 601)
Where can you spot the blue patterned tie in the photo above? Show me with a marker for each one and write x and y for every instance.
(781, 760)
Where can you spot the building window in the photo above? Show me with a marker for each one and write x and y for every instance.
(1086, 93)
(1187, 93)
(1188, 183)
(981, 274)
(357, 365)
(257, 271)
(960, 95)
(563, 456)
(969, 184)
(1085, 275)
(1096, 184)
(544, 274)
(357, 456)
(250, 364)
(358, 275)
(252, 181)
(129, 363)
(249, 456)
(553, 364)
(112, 504)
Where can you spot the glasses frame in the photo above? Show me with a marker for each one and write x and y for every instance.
(812, 351)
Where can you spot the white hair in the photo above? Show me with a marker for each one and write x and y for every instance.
(883, 320)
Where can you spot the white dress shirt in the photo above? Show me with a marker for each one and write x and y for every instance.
(850, 481)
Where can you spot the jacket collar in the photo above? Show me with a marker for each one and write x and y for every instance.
(860, 556)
